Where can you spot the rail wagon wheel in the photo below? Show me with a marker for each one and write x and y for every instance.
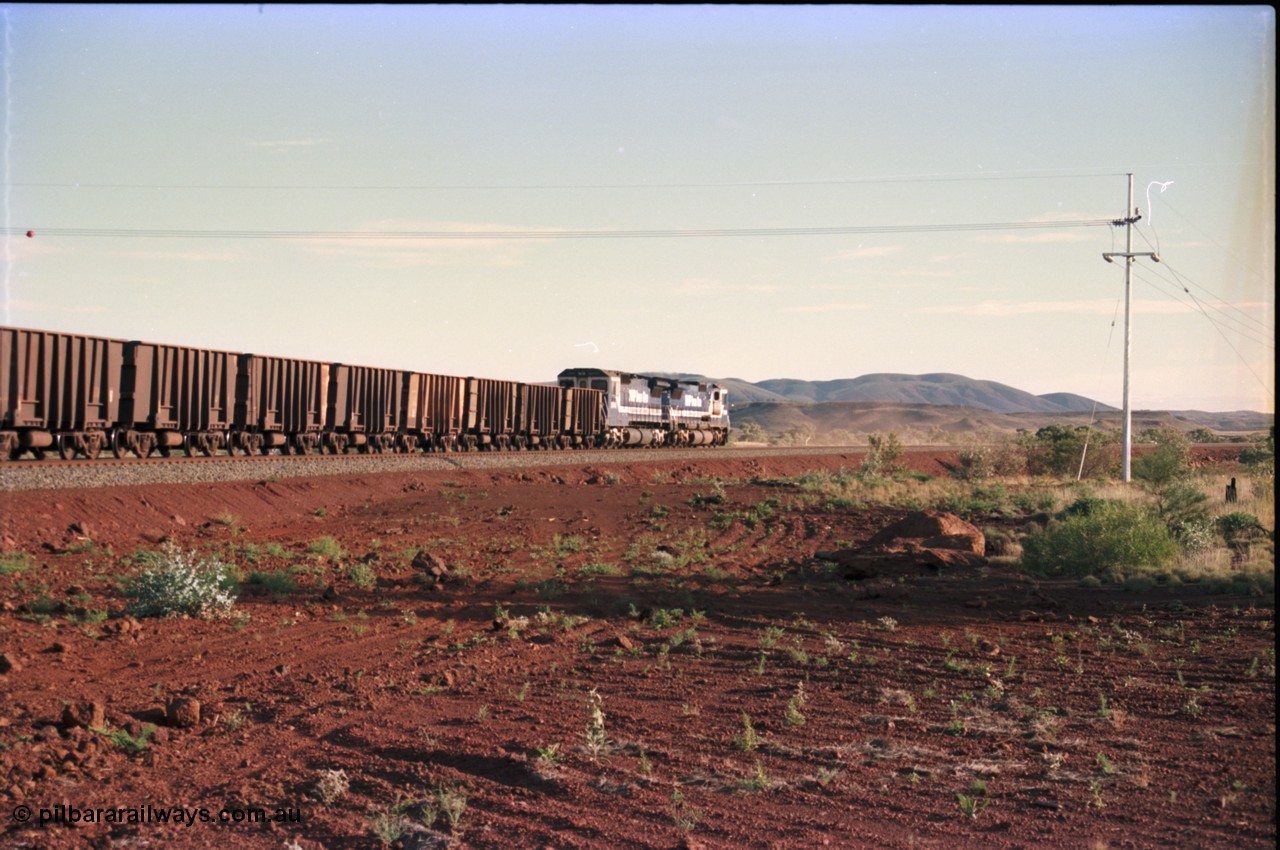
(300, 446)
(66, 448)
(119, 445)
(189, 447)
(208, 445)
(232, 450)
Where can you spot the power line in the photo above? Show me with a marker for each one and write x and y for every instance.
(1268, 390)
(1250, 333)
(1199, 307)
(856, 181)
(1260, 325)
(545, 234)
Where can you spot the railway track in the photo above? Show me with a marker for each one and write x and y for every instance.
(17, 476)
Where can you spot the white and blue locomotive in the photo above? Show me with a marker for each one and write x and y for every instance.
(649, 410)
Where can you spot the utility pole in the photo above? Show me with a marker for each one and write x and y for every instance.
(1132, 216)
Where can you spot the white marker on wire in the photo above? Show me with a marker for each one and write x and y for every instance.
(1163, 186)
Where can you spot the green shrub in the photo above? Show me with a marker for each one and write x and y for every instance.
(12, 563)
(182, 585)
(362, 576)
(749, 432)
(884, 453)
(325, 547)
(1169, 463)
(275, 583)
(1185, 510)
(973, 463)
(1260, 452)
(1197, 535)
(1238, 524)
(1083, 506)
(1260, 457)
(1111, 540)
(1058, 449)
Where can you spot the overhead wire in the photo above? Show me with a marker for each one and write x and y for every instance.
(545, 234)
(1243, 314)
(1254, 335)
(942, 177)
(1145, 276)
(1268, 390)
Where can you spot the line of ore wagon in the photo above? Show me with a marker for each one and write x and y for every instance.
(85, 395)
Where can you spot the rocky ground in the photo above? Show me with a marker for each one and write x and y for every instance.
(633, 654)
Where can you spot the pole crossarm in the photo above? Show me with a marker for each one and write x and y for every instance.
(1110, 255)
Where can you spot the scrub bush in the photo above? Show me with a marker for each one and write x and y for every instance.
(180, 584)
(1111, 540)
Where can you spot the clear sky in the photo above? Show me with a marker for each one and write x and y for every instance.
(683, 169)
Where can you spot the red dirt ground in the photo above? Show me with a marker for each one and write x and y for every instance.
(1066, 716)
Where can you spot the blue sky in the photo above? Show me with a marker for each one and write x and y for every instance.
(160, 153)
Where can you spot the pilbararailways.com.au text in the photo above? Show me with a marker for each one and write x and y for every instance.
(187, 816)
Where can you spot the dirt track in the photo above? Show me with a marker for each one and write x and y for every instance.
(1067, 717)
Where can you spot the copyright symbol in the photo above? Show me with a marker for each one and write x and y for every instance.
(22, 814)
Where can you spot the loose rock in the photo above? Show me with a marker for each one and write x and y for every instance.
(84, 713)
(430, 566)
(183, 712)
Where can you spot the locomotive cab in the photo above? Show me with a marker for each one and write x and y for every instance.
(717, 402)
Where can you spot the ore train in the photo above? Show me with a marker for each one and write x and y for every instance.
(82, 396)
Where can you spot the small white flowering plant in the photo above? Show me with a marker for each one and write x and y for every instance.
(181, 584)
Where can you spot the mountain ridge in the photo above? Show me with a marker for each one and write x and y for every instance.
(942, 402)
(938, 388)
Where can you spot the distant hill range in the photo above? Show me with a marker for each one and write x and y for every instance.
(942, 402)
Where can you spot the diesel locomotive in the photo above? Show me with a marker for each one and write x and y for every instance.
(83, 396)
(647, 410)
